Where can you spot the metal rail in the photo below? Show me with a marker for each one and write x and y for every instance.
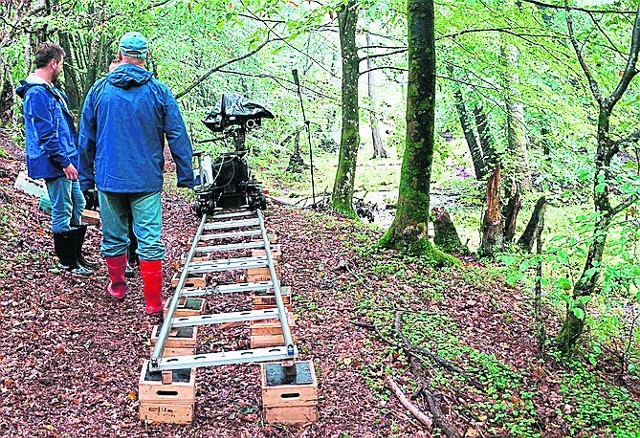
(213, 223)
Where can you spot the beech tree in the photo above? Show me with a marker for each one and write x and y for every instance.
(408, 232)
(608, 198)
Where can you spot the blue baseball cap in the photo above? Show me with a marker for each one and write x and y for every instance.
(134, 45)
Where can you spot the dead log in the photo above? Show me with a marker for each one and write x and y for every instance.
(535, 225)
(511, 213)
(415, 411)
(492, 223)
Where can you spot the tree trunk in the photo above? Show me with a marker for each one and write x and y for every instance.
(511, 213)
(492, 223)
(467, 130)
(408, 232)
(516, 140)
(445, 235)
(342, 196)
(534, 226)
(378, 147)
(489, 153)
(573, 325)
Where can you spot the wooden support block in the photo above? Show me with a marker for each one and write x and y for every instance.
(267, 299)
(292, 398)
(268, 333)
(180, 342)
(186, 307)
(275, 252)
(255, 275)
(167, 403)
(270, 326)
(273, 239)
(197, 257)
(166, 413)
(228, 325)
(192, 280)
(91, 217)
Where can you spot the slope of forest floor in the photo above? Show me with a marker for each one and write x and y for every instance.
(70, 358)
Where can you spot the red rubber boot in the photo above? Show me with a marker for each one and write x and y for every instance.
(116, 267)
(151, 271)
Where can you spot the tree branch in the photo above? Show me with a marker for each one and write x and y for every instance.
(575, 8)
(208, 73)
(632, 138)
(593, 84)
(378, 55)
(624, 205)
(630, 69)
(384, 67)
(422, 418)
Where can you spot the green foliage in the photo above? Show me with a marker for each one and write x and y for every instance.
(593, 405)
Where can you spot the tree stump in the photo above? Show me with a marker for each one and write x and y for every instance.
(445, 233)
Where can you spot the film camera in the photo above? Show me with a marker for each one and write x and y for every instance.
(227, 182)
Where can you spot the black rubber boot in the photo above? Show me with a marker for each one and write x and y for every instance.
(65, 246)
(81, 231)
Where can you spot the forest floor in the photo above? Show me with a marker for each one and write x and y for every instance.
(70, 358)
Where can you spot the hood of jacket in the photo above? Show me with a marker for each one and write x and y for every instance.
(30, 81)
(129, 75)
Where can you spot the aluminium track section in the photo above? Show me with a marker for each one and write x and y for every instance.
(226, 225)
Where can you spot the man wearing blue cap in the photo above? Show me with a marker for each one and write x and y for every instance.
(126, 117)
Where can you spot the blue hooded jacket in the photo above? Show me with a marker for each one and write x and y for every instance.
(125, 119)
(50, 134)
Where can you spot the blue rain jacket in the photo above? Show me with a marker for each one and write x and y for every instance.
(50, 133)
(125, 119)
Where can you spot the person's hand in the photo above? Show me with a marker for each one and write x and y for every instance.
(70, 172)
(90, 199)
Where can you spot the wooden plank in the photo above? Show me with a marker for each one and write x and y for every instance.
(192, 280)
(186, 307)
(166, 413)
(270, 326)
(275, 252)
(91, 217)
(183, 337)
(291, 414)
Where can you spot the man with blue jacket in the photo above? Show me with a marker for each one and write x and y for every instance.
(126, 117)
(52, 154)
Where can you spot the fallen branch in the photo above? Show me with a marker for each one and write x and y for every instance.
(437, 415)
(420, 416)
(418, 367)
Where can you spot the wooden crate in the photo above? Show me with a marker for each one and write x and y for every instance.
(91, 217)
(268, 333)
(255, 275)
(186, 307)
(289, 399)
(273, 239)
(192, 280)
(172, 413)
(167, 403)
(275, 252)
(180, 342)
(267, 299)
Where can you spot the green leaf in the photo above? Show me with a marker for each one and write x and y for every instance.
(564, 283)
(579, 313)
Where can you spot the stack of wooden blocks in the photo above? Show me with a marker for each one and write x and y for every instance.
(289, 392)
(169, 396)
